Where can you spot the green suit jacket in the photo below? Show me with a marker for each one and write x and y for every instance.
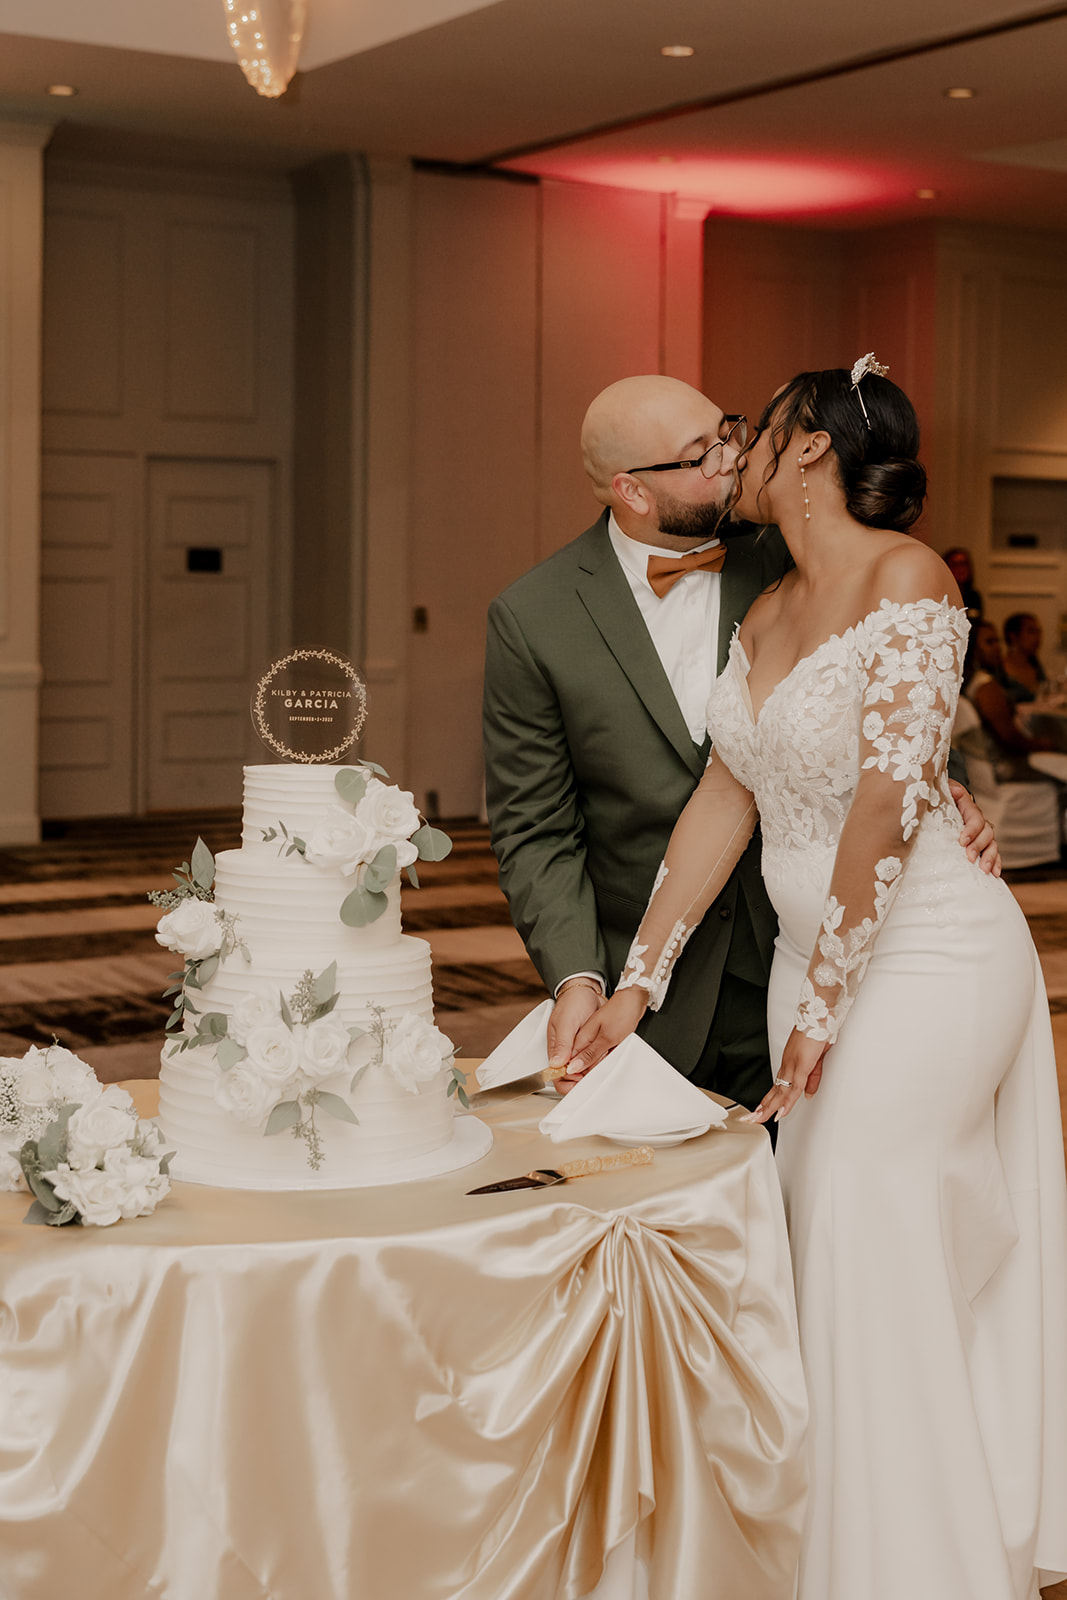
(588, 764)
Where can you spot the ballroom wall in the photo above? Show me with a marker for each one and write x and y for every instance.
(973, 324)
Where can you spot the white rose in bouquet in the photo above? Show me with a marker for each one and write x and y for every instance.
(72, 1079)
(245, 1094)
(192, 929)
(35, 1084)
(97, 1195)
(340, 840)
(415, 1052)
(104, 1119)
(390, 817)
(251, 1011)
(143, 1185)
(10, 1172)
(273, 1052)
(324, 1047)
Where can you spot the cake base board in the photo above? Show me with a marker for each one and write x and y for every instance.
(470, 1141)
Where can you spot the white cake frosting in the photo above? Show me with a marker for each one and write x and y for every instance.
(287, 911)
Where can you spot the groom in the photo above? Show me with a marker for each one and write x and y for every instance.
(599, 663)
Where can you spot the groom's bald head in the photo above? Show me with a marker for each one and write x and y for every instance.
(640, 421)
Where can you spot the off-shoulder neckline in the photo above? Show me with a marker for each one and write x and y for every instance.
(928, 605)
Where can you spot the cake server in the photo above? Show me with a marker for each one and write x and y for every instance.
(545, 1177)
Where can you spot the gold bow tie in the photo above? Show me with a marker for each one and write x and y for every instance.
(664, 571)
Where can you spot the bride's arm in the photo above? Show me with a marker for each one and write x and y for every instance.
(708, 841)
(912, 671)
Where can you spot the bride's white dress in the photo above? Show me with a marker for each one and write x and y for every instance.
(924, 1182)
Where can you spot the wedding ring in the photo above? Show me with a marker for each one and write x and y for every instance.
(782, 1083)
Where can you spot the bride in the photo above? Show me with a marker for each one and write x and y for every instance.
(920, 1152)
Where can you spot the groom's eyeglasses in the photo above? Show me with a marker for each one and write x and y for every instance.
(710, 463)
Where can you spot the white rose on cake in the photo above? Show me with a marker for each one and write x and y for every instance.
(245, 1094)
(415, 1052)
(274, 1054)
(324, 1047)
(390, 817)
(251, 1011)
(105, 1119)
(192, 929)
(340, 840)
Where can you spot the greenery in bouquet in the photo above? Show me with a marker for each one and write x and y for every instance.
(374, 834)
(78, 1147)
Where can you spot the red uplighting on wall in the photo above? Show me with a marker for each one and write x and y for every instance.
(737, 185)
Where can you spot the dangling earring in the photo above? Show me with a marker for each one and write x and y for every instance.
(804, 487)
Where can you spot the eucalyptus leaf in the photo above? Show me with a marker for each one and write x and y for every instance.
(164, 1162)
(358, 1074)
(213, 1024)
(325, 984)
(382, 870)
(206, 969)
(372, 766)
(431, 843)
(202, 865)
(355, 1032)
(229, 1053)
(413, 876)
(351, 785)
(325, 1008)
(361, 907)
(285, 1115)
(59, 1219)
(41, 1188)
(287, 1016)
(336, 1106)
(52, 1145)
(38, 1213)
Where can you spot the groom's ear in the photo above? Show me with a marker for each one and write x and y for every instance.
(631, 493)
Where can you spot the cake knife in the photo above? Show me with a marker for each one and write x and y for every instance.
(545, 1177)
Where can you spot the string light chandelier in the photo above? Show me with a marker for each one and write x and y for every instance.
(266, 36)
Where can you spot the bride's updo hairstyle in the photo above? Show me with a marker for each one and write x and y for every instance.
(884, 483)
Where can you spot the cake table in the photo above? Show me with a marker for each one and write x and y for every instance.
(406, 1393)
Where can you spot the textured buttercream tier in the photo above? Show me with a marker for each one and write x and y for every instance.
(286, 902)
(397, 980)
(299, 796)
(395, 1127)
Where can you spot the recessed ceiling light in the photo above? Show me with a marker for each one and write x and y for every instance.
(926, 194)
(678, 50)
(960, 94)
(62, 89)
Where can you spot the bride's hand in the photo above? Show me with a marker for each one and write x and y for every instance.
(614, 1022)
(799, 1074)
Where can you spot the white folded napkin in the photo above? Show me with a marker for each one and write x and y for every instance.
(523, 1051)
(633, 1093)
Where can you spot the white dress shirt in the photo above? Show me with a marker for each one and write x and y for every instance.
(683, 625)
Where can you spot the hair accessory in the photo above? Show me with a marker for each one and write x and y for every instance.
(864, 365)
(804, 487)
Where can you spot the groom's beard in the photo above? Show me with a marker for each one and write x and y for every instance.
(682, 521)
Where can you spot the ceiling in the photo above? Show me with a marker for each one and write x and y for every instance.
(829, 116)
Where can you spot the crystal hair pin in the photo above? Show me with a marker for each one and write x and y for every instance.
(864, 365)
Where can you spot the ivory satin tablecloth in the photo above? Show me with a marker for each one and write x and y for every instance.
(407, 1394)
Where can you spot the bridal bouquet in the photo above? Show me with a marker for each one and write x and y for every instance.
(80, 1148)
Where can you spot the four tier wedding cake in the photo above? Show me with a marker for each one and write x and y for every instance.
(302, 1049)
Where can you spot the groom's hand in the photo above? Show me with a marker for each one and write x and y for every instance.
(977, 836)
(578, 1000)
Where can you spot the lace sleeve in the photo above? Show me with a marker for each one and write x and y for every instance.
(911, 659)
(708, 841)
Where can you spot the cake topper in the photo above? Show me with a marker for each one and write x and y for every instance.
(310, 706)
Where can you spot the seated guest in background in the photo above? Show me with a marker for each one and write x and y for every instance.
(1007, 745)
(1023, 673)
(958, 562)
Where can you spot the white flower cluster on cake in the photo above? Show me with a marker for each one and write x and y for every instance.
(377, 833)
(80, 1148)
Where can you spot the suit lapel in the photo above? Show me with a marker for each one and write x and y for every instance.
(606, 595)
